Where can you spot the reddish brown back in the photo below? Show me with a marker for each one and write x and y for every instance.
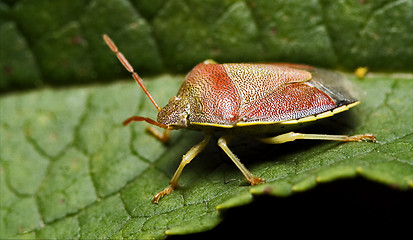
(215, 97)
(230, 93)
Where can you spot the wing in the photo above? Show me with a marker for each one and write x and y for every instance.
(288, 102)
(256, 81)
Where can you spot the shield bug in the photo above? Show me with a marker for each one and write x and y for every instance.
(248, 98)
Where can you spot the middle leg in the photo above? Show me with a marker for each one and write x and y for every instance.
(223, 143)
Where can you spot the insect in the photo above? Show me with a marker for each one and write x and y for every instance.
(246, 98)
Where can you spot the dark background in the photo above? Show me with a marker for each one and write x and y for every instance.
(346, 208)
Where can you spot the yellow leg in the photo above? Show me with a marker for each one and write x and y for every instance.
(161, 136)
(195, 150)
(291, 136)
(223, 143)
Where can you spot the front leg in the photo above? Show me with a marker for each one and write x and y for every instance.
(195, 150)
(161, 136)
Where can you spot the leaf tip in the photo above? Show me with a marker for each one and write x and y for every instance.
(238, 200)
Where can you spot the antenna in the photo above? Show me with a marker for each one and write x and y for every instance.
(129, 67)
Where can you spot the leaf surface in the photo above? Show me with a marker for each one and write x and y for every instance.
(48, 42)
(71, 169)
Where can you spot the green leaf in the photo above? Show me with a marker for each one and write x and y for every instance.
(69, 169)
(48, 42)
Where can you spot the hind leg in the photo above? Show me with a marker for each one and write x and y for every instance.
(291, 136)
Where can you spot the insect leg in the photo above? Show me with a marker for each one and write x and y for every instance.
(223, 143)
(291, 136)
(195, 150)
(161, 136)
